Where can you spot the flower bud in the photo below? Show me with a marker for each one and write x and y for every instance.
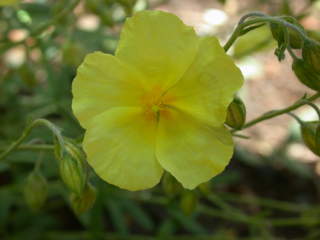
(82, 203)
(278, 33)
(170, 185)
(236, 115)
(205, 188)
(73, 174)
(188, 202)
(306, 74)
(310, 132)
(35, 190)
(311, 54)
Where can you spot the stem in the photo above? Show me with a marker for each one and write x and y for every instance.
(279, 112)
(287, 44)
(241, 25)
(26, 133)
(292, 54)
(295, 117)
(314, 106)
(252, 14)
(240, 136)
(251, 220)
(32, 147)
(39, 162)
(266, 202)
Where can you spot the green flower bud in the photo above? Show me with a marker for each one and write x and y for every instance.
(170, 185)
(236, 115)
(278, 33)
(310, 132)
(306, 74)
(73, 174)
(188, 202)
(311, 54)
(82, 203)
(204, 188)
(35, 190)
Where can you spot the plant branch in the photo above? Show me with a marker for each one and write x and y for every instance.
(32, 147)
(260, 19)
(26, 132)
(279, 112)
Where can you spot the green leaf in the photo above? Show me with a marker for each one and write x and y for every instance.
(253, 41)
(188, 223)
(138, 214)
(248, 29)
(117, 216)
(167, 227)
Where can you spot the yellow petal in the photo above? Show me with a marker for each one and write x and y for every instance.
(191, 151)
(207, 88)
(103, 81)
(120, 147)
(159, 45)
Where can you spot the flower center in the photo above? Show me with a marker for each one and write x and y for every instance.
(156, 102)
(155, 108)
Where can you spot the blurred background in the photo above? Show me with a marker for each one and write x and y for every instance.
(271, 189)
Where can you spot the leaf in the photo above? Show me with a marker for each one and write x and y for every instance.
(138, 214)
(167, 227)
(117, 217)
(254, 40)
(248, 29)
(188, 223)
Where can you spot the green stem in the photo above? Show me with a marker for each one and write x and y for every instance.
(292, 54)
(32, 147)
(26, 133)
(265, 202)
(279, 112)
(314, 106)
(252, 14)
(240, 136)
(296, 118)
(251, 220)
(261, 19)
(288, 46)
(44, 26)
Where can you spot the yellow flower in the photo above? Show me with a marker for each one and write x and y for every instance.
(159, 104)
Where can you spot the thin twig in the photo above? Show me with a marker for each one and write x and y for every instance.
(279, 112)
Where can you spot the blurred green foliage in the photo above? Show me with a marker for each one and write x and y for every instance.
(41, 45)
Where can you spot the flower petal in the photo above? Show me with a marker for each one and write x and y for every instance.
(159, 45)
(191, 151)
(120, 146)
(207, 88)
(102, 82)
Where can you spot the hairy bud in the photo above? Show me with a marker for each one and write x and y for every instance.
(73, 174)
(205, 188)
(82, 203)
(35, 190)
(170, 185)
(311, 54)
(236, 115)
(278, 33)
(188, 202)
(310, 132)
(306, 74)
